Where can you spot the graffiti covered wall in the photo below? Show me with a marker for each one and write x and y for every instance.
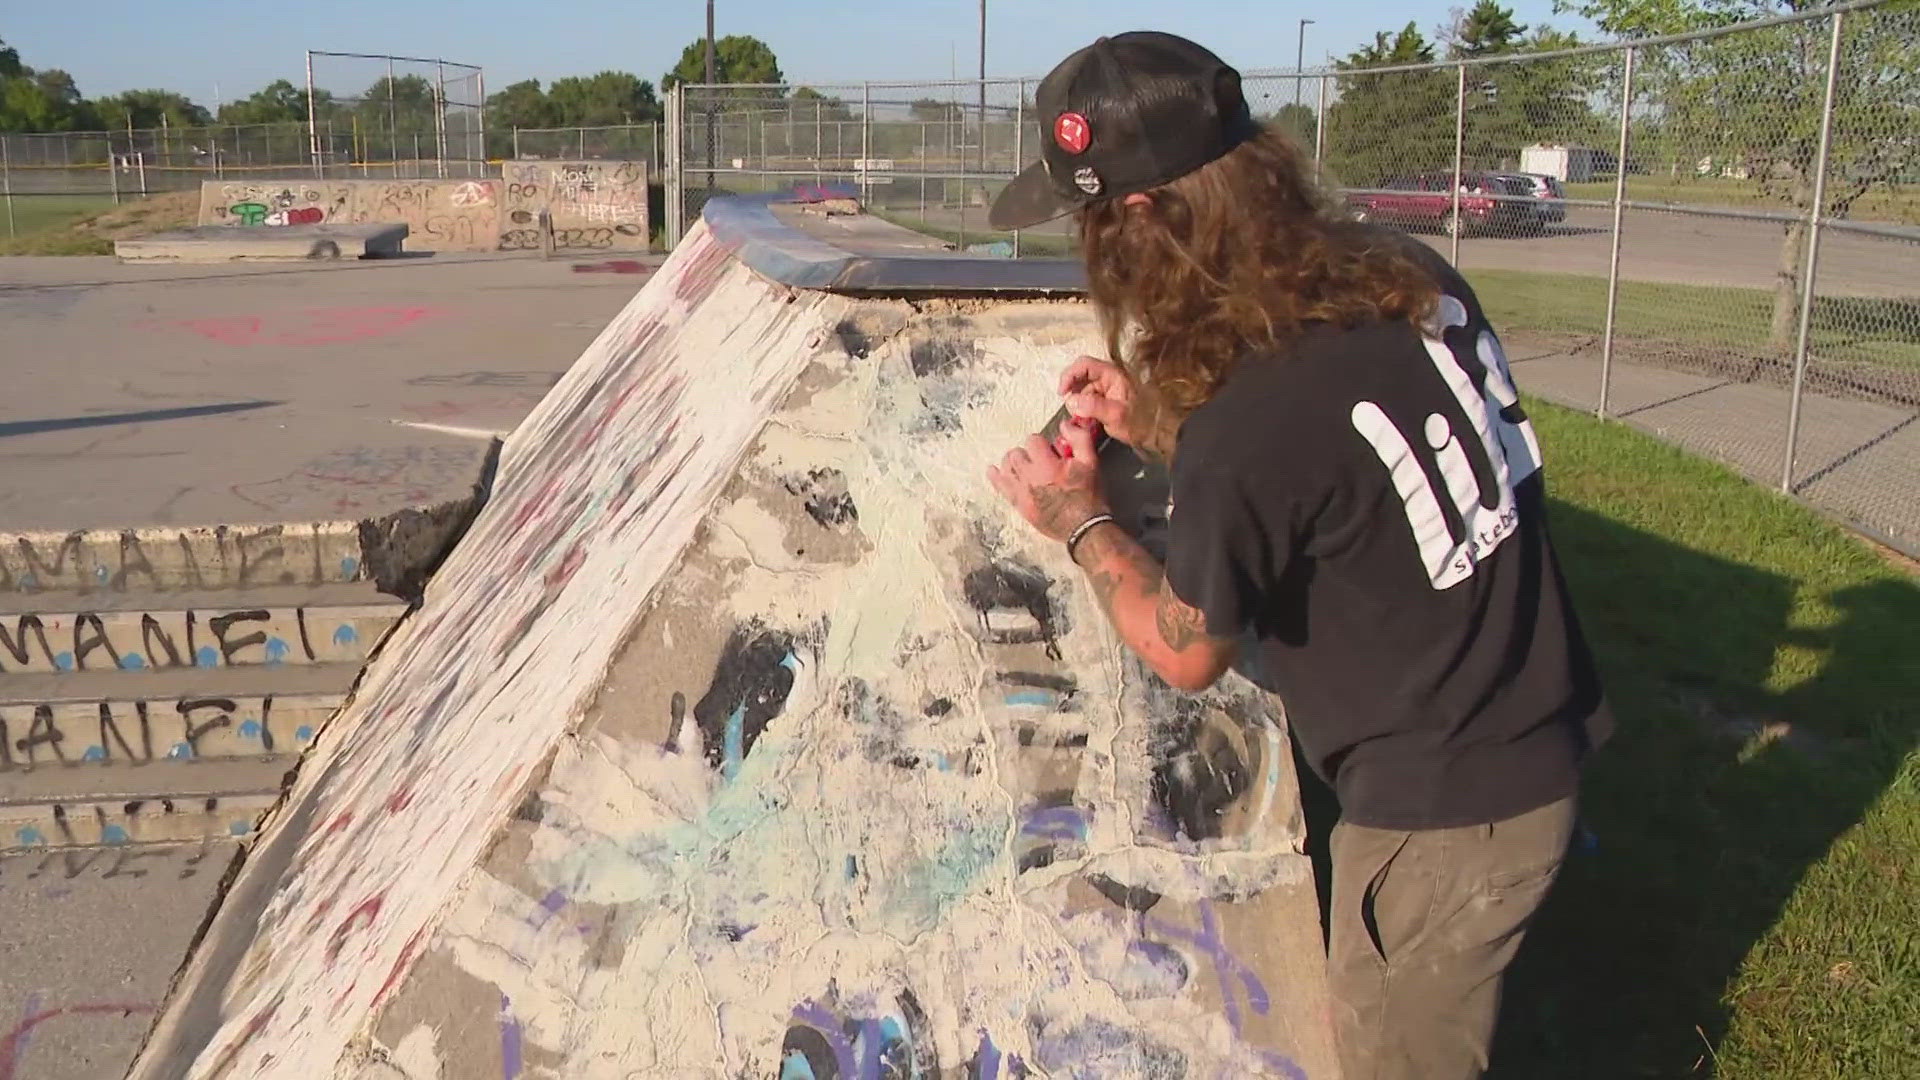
(746, 735)
(595, 205)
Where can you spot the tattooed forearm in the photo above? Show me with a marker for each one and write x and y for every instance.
(1180, 626)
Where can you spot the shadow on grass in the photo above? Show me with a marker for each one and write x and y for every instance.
(1707, 809)
(1703, 816)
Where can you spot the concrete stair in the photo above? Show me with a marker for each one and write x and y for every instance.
(132, 716)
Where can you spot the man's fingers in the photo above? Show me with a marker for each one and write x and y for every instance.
(1038, 449)
(1080, 441)
(1107, 411)
(1089, 371)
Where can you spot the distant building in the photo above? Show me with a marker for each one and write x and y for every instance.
(1567, 164)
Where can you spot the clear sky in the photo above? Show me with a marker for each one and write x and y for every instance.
(192, 45)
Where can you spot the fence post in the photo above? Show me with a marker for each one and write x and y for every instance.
(313, 126)
(1813, 256)
(440, 120)
(113, 173)
(6, 183)
(1019, 143)
(1320, 130)
(1613, 259)
(1455, 226)
(516, 143)
(140, 162)
(866, 140)
(675, 182)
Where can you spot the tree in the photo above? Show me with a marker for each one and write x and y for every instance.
(1298, 121)
(809, 104)
(45, 100)
(1484, 30)
(611, 97)
(932, 111)
(278, 102)
(149, 109)
(9, 61)
(521, 105)
(1753, 100)
(1391, 124)
(736, 59)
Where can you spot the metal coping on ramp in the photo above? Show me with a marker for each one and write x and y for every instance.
(776, 250)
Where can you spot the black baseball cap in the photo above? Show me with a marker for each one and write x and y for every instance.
(1127, 113)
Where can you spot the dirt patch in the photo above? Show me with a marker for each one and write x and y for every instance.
(156, 213)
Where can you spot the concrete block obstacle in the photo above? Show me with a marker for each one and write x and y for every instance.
(216, 244)
(744, 733)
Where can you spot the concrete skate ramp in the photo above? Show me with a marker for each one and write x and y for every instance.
(747, 735)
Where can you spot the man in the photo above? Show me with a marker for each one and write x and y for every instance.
(1355, 490)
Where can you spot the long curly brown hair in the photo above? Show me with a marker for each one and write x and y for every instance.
(1238, 257)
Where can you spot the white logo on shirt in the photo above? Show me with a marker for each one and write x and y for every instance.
(1507, 450)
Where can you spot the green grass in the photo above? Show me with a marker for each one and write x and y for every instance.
(1750, 908)
(1709, 316)
(1881, 204)
(35, 213)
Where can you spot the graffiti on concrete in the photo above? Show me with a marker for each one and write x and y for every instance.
(310, 326)
(596, 494)
(13, 1046)
(908, 780)
(133, 821)
(592, 205)
(138, 730)
(221, 557)
(108, 640)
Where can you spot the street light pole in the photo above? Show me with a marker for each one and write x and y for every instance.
(1300, 59)
(710, 42)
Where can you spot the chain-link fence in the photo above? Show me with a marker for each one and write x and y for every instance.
(376, 116)
(618, 142)
(1714, 236)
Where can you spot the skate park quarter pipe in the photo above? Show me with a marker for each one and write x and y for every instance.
(746, 734)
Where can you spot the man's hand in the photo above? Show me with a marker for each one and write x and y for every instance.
(1054, 493)
(1100, 391)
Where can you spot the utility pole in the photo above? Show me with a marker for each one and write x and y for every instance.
(710, 93)
(1300, 60)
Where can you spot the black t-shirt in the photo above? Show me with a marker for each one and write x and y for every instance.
(1370, 509)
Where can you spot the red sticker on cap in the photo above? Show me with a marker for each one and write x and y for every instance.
(1072, 132)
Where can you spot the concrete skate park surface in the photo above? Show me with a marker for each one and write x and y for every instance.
(181, 447)
(198, 396)
(746, 734)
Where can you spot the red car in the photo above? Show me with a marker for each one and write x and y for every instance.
(1488, 204)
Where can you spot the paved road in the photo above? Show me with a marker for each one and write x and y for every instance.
(91, 942)
(141, 395)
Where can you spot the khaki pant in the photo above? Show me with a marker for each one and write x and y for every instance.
(1423, 926)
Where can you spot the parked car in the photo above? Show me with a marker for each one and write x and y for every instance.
(1551, 206)
(1488, 204)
